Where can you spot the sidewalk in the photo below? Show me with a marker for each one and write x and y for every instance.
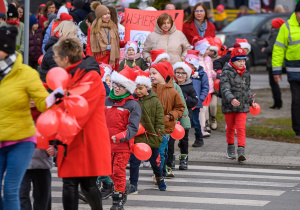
(258, 152)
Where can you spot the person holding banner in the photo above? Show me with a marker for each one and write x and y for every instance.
(167, 37)
(198, 24)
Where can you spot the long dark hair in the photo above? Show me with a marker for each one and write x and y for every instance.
(192, 16)
(49, 3)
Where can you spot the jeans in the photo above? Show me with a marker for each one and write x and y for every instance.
(295, 89)
(163, 151)
(236, 121)
(156, 162)
(134, 170)
(14, 159)
(196, 123)
(41, 180)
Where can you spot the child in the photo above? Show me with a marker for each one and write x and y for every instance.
(123, 115)
(162, 85)
(221, 19)
(183, 72)
(35, 41)
(152, 120)
(202, 45)
(200, 83)
(236, 98)
(132, 58)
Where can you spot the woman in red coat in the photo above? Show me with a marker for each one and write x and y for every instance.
(87, 154)
(198, 24)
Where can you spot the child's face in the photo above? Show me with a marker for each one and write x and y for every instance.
(141, 91)
(212, 53)
(164, 59)
(239, 63)
(180, 75)
(119, 90)
(130, 51)
(207, 52)
(156, 77)
(35, 27)
(108, 81)
(246, 50)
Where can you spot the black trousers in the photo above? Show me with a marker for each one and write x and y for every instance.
(295, 90)
(170, 152)
(184, 143)
(88, 187)
(276, 93)
(41, 181)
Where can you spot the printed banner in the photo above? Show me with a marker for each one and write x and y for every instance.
(255, 5)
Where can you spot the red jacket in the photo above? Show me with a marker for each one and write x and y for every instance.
(42, 20)
(89, 153)
(190, 31)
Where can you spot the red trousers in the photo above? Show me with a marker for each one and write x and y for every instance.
(236, 121)
(119, 162)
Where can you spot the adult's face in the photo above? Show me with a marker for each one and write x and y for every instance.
(51, 9)
(199, 14)
(106, 17)
(166, 25)
(298, 16)
(170, 7)
(2, 55)
(21, 12)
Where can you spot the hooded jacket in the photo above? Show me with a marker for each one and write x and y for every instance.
(35, 44)
(201, 86)
(190, 95)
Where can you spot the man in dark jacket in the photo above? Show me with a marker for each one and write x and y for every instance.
(78, 13)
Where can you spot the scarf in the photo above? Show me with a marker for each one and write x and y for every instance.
(200, 27)
(6, 65)
(99, 43)
(240, 71)
(13, 22)
(83, 26)
(117, 98)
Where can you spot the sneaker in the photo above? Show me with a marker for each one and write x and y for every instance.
(146, 164)
(170, 173)
(207, 126)
(161, 184)
(198, 141)
(107, 190)
(154, 180)
(132, 190)
(213, 124)
(230, 152)
(241, 154)
(128, 166)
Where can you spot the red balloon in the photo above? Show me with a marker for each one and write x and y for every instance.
(67, 125)
(41, 141)
(40, 60)
(178, 132)
(217, 84)
(76, 105)
(57, 77)
(48, 123)
(141, 130)
(256, 110)
(142, 151)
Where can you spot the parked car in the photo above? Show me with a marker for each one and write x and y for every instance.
(255, 28)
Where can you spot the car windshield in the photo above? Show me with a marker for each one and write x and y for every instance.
(245, 24)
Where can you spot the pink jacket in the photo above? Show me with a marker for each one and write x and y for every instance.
(207, 65)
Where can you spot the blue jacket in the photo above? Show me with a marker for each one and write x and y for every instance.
(201, 86)
(47, 37)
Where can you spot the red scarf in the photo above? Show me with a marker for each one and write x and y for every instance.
(13, 22)
(240, 71)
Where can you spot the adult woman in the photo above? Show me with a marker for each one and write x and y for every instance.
(88, 152)
(21, 13)
(103, 42)
(64, 29)
(49, 8)
(167, 37)
(198, 24)
(18, 84)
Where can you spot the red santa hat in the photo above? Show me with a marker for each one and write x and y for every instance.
(132, 44)
(192, 57)
(201, 44)
(105, 69)
(244, 44)
(121, 16)
(213, 45)
(126, 78)
(65, 16)
(157, 55)
(185, 66)
(220, 8)
(143, 77)
(164, 68)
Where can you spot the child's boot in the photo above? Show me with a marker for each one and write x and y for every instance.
(173, 162)
(198, 141)
(161, 183)
(230, 153)
(118, 201)
(213, 124)
(241, 154)
(183, 162)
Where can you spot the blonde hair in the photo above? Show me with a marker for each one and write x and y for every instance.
(97, 25)
(66, 29)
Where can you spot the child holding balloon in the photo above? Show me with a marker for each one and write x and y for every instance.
(236, 99)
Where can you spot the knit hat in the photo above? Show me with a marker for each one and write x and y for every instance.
(51, 17)
(162, 68)
(143, 77)
(65, 16)
(126, 78)
(244, 44)
(32, 20)
(297, 8)
(12, 11)
(132, 44)
(100, 11)
(185, 66)
(61, 10)
(2, 15)
(238, 53)
(78, 4)
(8, 39)
(220, 8)
(157, 55)
(213, 45)
(277, 22)
(201, 44)
(192, 58)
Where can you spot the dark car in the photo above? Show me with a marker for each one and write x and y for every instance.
(255, 28)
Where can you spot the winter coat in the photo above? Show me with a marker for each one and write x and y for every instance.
(234, 86)
(190, 31)
(269, 48)
(190, 95)
(122, 116)
(207, 65)
(152, 119)
(88, 152)
(20, 36)
(78, 14)
(201, 86)
(47, 36)
(139, 62)
(35, 44)
(40, 160)
(173, 42)
(171, 102)
(48, 61)
(42, 19)
(16, 90)
(220, 63)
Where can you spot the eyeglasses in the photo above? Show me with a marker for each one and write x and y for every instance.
(199, 11)
(120, 87)
(180, 73)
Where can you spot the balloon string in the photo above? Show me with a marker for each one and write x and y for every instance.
(253, 96)
(76, 122)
